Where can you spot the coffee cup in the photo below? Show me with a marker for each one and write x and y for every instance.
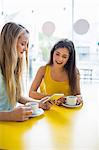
(33, 105)
(71, 100)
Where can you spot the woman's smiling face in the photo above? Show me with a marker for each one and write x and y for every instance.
(22, 44)
(60, 57)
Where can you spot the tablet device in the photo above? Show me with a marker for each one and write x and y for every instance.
(56, 96)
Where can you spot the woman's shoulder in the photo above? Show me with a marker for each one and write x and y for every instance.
(41, 70)
(44, 68)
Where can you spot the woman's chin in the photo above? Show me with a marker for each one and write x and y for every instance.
(20, 56)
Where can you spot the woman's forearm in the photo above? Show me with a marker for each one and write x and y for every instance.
(5, 116)
(37, 95)
(24, 100)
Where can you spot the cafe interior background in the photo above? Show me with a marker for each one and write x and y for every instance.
(49, 21)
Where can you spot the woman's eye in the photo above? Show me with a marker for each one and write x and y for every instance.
(65, 57)
(22, 44)
(57, 54)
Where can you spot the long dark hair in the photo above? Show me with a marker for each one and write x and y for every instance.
(70, 66)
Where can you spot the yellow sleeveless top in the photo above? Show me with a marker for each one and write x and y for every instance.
(50, 86)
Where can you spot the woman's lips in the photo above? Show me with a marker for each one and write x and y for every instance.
(59, 63)
(21, 52)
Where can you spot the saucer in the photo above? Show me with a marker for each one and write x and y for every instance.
(38, 112)
(72, 106)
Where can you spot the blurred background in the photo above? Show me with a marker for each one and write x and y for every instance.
(51, 20)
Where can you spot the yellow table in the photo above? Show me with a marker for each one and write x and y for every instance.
(58, 129)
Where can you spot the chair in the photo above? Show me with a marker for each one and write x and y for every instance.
(86, 74)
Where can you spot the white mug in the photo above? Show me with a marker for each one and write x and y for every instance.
(71, 100)
(33, 105)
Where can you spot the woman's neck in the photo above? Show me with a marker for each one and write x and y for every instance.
(58, 74)
(57, 69)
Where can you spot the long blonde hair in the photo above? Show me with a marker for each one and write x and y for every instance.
(10, 64)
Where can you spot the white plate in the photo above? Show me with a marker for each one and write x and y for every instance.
(72, 106)
(39, 112)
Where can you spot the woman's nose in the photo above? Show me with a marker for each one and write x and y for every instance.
(60, 58)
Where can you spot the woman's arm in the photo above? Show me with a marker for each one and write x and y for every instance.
(79, 97)
(21, 113)
(34, 95)
(36, 84)
(46, 105)
(78, 92)
(78, 83)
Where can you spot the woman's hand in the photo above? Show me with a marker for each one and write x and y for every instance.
(45, 103)
(79, 99)
(59, 101)
(20, 113)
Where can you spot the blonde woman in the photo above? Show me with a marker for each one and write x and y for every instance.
(14, 40)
